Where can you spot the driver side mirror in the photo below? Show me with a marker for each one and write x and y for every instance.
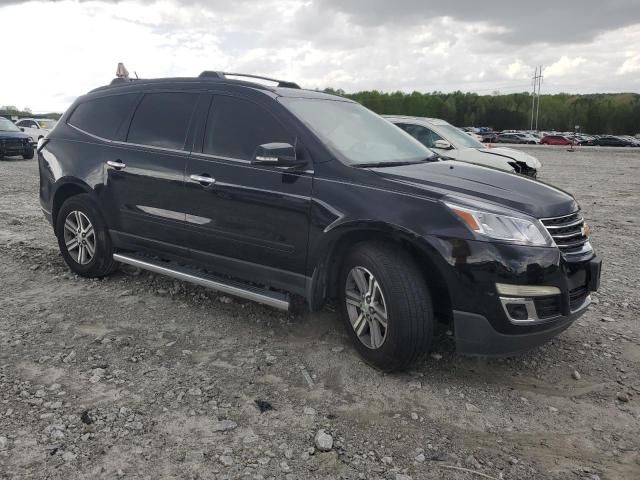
(442, 144)
(22, 129)
(281, 155)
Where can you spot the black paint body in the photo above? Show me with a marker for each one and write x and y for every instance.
(289, 229)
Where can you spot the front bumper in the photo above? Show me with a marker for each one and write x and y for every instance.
(474, 335)
(14, 149)
(471, 269)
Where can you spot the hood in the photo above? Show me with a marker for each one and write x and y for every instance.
(437, 179)
(13, 135)
(513, 154)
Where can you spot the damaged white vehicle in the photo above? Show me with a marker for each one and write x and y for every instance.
(451, 142)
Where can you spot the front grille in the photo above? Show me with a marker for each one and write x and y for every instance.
(577, 297)
(11, 147)
(567, 232)
(547, 307)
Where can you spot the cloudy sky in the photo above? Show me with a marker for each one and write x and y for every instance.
(59, 50)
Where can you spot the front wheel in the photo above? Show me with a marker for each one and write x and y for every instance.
(385, 305)
(83, 238)
(28, 153)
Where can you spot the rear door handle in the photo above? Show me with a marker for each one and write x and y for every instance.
(204, 179)
(117, 164)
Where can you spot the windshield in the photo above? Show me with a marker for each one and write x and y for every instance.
(457, 137)
(7, 126)
(47, 124)
(356, 134)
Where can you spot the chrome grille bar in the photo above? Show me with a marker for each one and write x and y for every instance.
(568, 233)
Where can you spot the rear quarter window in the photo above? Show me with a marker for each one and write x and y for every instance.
(103, 116)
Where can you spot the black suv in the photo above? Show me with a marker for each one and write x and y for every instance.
(262, 192)
(13, 142)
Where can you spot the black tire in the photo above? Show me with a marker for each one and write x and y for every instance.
(101, 263)
(410, 319)
(29, 153)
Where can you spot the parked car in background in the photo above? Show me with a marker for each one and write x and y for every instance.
(580, 139)
(474, 135)
(613, 141)
(488, 135)
(276, 190)
(556, 140)
(450, 142)
(529, 138)
(36, 128)
(13, 142)
(515, 138)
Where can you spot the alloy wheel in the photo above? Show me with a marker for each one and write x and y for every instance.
(79, 237)
(366, 307)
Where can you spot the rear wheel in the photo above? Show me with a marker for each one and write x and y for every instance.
(385, 305)
(83, 238)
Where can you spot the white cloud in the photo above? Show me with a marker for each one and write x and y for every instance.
(74, 47)
(630, 65)
(564, 66)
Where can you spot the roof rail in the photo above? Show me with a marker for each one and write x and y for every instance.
(224, 75)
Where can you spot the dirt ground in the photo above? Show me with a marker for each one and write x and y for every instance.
(138, 376)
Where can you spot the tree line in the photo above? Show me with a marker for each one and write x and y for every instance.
(602, 113)
(9, 111)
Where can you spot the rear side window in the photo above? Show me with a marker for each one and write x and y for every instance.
(162, 120)
(236, 127)
(103, 116)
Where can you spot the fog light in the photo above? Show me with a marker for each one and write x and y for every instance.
(526, 290)
(517, 311)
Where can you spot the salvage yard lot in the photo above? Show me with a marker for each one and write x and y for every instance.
(140, 376)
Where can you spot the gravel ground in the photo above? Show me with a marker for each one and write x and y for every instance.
(138, 376)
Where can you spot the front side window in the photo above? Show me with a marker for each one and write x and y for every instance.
(103, 116)
(420, 133)
(458, 138)
(47, 124)
(162, 120)
(355, 134)
(235, 128)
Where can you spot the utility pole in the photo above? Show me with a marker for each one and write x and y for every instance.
(533, 96)
(536, 82)
(540, 77)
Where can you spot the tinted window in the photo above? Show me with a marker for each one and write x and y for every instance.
(162, 119)
(103, 116)
(236, 127)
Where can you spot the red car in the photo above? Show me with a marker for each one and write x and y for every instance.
(555, 140)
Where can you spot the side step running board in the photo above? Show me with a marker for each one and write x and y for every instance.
(223, 285)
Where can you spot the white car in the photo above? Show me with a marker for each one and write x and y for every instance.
(451, 142)
(36, 128)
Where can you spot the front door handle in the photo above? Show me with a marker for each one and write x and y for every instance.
(117, 164)
(204, 179)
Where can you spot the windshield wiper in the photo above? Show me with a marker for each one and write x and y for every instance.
(391, 164)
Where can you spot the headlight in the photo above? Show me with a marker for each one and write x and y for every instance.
(524, 231)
